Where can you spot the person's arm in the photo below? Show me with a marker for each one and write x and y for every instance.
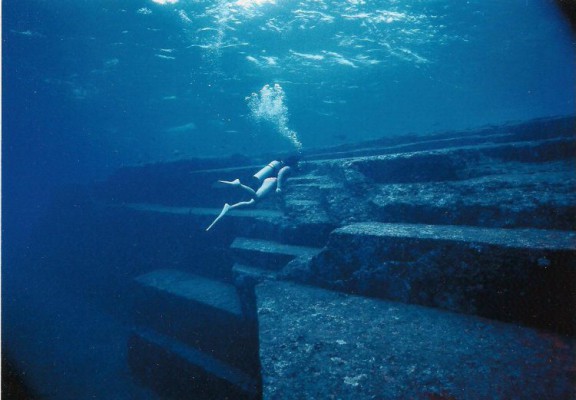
(281, 178)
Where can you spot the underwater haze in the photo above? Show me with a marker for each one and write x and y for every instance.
(92, 87)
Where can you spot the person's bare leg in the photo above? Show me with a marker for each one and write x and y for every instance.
(234, 183)
(248, 189)
(267, 186)
(228, 207)
(223, 184)
(243, 203)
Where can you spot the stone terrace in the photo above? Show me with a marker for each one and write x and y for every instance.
(425, 267)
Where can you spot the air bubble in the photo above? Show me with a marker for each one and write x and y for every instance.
(269, 105)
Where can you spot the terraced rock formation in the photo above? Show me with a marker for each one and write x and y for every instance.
(425, 267)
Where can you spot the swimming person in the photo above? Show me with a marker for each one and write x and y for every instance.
(271, 177)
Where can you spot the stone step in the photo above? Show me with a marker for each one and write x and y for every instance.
(305, 230)
(267, 254)
(304, 191)
(246, 278)
(417, 145)
(310, 193)
(251, 222)
(316, 186)
(304, 203)
(295, 228)
(252, 274)
(303, 179)
(522, 275)
(190, 181)
(536, 196)
(178, 371)
(259, 214)
(315, 342)
(203, 313)
(307, 211)
(458, 163)
(223, 173)
(178, 182)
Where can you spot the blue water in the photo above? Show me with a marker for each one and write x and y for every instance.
(91, 86)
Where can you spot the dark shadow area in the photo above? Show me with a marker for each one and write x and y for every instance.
(14, 385)
(568, 7)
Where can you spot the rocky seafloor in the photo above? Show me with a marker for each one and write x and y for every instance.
(418, 267)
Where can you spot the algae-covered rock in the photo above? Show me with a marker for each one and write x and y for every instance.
(319, 344)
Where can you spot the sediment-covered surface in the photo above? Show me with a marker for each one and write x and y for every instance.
(319, 344)
(523, 275)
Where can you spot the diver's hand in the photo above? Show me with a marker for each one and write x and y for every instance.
(278, 190)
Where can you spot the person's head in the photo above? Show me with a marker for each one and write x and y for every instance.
(292, 160)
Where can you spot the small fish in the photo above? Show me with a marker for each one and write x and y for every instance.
(182, 128)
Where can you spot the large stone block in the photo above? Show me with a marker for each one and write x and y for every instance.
(524, 275)
(267, 254)
(461, 163)
(200, 312)
(254, 222)
(177, 371)
(509, 195)
(318, 344)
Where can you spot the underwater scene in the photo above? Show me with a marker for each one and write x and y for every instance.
(286, 199)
